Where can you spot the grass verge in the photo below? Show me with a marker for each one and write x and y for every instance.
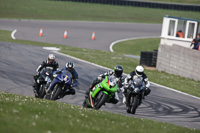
(20, 114)
(134, 47)
(65, 10)
(109, 60)
(177, 1)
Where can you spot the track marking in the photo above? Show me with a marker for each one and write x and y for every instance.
(124, 73)
(13, 34)
(51, 48)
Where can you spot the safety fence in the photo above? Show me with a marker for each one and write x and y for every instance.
(147, 4)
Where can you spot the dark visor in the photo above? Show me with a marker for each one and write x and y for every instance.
(139, 73)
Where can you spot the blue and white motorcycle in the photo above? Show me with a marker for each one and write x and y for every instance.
(61, 83)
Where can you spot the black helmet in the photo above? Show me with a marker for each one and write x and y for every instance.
(118, 70)
(70, 66)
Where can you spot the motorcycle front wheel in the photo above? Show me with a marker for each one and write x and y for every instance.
(101, 101)
(42, 91)
(56, 92)
(133, 104)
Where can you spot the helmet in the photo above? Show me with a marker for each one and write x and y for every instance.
(118, 70)
(70, 66)
(139, 70)
(51, 58)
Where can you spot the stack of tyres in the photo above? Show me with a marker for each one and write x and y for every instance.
(146, 58)
(154, 58)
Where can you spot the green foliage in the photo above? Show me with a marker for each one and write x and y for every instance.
(65, 10)
(20, 114)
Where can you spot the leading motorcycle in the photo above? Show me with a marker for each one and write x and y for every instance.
(101, 93)
(61, 83)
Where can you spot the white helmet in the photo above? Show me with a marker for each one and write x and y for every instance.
(139, 70)
(51, 58)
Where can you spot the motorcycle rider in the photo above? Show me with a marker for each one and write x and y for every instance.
(195, 42)
(138, 73)
(71, 68)
(117, 73)
(49, 63)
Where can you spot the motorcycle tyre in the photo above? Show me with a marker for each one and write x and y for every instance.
(41, 91)
(102, 101)
(56, 92)
(128, 110)
(134, 100)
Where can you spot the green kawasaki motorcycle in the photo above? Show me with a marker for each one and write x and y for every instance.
(101, 93)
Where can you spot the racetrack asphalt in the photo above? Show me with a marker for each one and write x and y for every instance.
(18, 63)
(79, 33)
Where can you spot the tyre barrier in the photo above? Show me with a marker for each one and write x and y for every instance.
(148, 58)
(154, 58)
(147, 4)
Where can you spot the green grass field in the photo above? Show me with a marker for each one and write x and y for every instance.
(134, 47)
(20, 114)
(60, 10)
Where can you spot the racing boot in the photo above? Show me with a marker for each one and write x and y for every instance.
(124, 98)
(147, 91)
(88, 91)
(70, 91)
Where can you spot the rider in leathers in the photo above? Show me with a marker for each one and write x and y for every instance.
(138, 73)
(117, 73)
(49, 63)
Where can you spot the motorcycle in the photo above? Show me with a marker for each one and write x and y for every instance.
(135, 93)
(43, 80)
(61, 83)
(101, 93)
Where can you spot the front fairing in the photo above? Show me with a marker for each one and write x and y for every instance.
(46, 74)
(105, 87)
(136, 87)
(65, 79)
